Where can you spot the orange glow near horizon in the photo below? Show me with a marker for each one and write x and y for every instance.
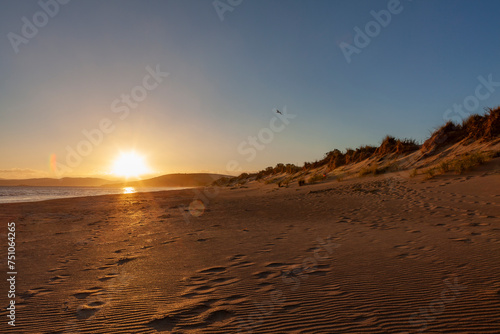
(130, 164)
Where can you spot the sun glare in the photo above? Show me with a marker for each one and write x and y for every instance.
(130, 164)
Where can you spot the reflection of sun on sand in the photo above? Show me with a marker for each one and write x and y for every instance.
(129, 190)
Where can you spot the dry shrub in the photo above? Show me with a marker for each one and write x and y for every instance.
(399, 146)
(491, 125)
(316, 178)
(443, 136)
(475, 127)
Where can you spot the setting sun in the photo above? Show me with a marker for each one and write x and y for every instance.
(130, 164)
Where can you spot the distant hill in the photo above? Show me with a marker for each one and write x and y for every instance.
(172, 180)
(169, 180)
(49, 182)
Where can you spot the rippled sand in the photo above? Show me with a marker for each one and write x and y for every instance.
(373, 255)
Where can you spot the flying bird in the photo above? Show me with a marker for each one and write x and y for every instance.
(279, 112)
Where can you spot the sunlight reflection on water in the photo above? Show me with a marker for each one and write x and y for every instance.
(128, 190)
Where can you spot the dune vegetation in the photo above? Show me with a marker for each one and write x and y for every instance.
(385, 158)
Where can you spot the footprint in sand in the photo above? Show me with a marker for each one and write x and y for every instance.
(162, 324)
(236, 258)
(234, 300)
(239, 261)
(85, 311)
(213, 270)
(207, 282)
(107, 277)
(190, 295)
(334, 290)
(204, 289)
(96, 300)
(35, 292)
(264, 274)
(277, 265)
(413, 231)
(124, 260)
(466, 240)
(192, 316)
(85, 293)
(224, 281)
(101, 268)
(365, 318)
(203, 304)
(58, 279)
(406, 256)
(220, 315)
(169, 241)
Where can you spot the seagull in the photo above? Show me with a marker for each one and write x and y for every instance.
(279, 112)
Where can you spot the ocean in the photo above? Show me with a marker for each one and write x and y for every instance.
(35, 194)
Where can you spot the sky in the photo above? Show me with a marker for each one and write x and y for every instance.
(195, 85)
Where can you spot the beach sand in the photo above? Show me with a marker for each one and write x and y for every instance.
(383, 254)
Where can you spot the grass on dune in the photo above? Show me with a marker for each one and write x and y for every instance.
(460, 165)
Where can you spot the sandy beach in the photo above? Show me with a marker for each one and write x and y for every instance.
(384, 254)
(230, 166)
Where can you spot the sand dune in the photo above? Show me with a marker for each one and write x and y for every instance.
(384, 254)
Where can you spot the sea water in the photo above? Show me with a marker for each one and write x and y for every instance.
(35, 194)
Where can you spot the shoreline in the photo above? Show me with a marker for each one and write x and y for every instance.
(147, 190)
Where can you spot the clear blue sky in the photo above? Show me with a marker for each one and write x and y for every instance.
(226, 78)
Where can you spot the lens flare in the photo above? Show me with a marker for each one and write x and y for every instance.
(53, 162)
(196, 208)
